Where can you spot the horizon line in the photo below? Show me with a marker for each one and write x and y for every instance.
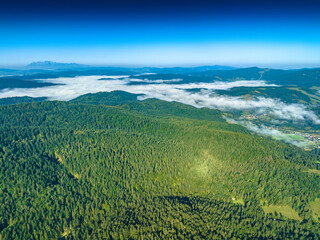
(283, 66)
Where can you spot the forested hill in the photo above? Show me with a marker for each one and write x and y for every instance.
(13, 82)
(150, 107)
(301, 77)
(17, 100)
(94, 169)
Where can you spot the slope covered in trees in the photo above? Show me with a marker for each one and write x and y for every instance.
(13, 82)
(302, 77)
(88, 170)
(17, 100)
(286, 94)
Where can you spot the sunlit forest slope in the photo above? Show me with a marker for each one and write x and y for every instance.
(106, 166)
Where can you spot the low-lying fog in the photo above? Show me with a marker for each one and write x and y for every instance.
(170, 90)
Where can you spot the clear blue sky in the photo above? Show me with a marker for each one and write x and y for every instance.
(162, 33)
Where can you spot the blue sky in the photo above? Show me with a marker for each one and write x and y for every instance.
(162, 33)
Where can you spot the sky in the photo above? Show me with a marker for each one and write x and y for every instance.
(280, 34)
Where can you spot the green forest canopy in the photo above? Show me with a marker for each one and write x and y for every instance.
(92, 169)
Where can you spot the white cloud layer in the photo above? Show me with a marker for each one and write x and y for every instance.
(76, 86)
(155, 81)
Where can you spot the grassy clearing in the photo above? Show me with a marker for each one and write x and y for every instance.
(314, 171)
(315, 98)
(58, 157)
(296, 137)
(238, 201)
(315, 87)
(315, 209)
(66, 233)
(285, 210)
(290, 136)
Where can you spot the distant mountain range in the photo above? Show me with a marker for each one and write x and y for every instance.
(182, 70)
(42, 67)
(47, 69)
(49, 65)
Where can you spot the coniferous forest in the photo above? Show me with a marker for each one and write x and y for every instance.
(107, 166)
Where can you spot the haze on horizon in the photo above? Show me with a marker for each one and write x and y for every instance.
(280, 34)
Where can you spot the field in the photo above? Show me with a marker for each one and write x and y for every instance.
(285, 210)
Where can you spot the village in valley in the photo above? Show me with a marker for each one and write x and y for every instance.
(307, 134)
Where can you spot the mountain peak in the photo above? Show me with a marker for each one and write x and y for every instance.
(50, 65)
(41, 63)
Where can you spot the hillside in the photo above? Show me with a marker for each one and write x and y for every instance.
(93, 169)
(17, 100)
(13, 82)
(301, 77)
